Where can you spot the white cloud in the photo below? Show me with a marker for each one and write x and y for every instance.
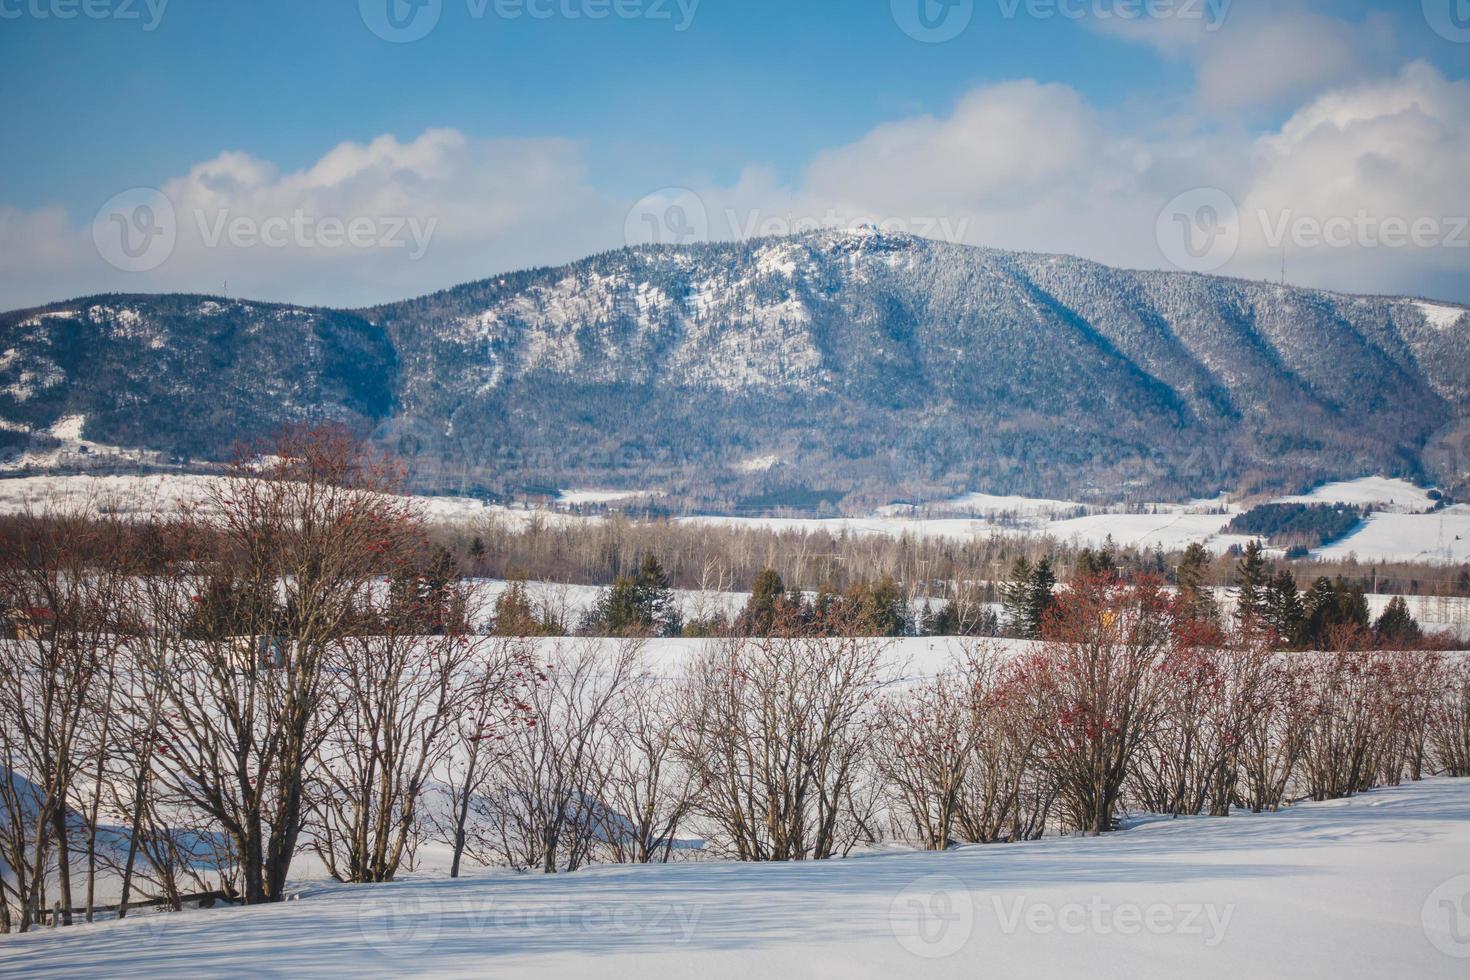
(1264, 55)
(1020, 165)
(473, 208)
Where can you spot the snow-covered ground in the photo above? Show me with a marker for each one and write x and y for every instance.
(1376, 886)
(1439, 538)
(1400, 530)
(576, 498)
(1380, 493)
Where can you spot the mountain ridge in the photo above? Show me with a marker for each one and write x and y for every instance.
(872, 366)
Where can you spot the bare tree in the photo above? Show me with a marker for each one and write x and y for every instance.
(1101, 682)
(777, 730)
(49, 682)
(648, 793)
(545, 808)
(400, 696)
(295, 540)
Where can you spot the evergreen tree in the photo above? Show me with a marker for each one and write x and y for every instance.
(1196, 601)
(767, 597)
(656, 598)
(1251, 576)
(424, 596)
(1331, 606)
(1028, 597)
(1396, 627)
(1285, 613)
(637, 605)
(1015, 597)
(876, 610)
(1094, 564)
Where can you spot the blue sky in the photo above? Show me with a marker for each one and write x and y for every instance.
(1063, 129)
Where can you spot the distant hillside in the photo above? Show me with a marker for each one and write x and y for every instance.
(848, 366)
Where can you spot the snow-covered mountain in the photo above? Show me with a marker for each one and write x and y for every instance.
(834, 364)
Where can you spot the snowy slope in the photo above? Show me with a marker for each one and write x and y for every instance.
(1377, 492)
(1375, 886)
(1441, 538)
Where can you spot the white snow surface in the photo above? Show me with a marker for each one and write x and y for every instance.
(1441, 538)
(594, 497)
(1439, 316)
(1373, 886)
(1378, 492)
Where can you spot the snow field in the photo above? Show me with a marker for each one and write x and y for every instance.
(1377, 885)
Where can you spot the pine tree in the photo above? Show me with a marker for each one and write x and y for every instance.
(1196, 601)
(1043, 595)
(656, 600)
(1331, 606)
(1028, 596)
(1251, 578)
(1015, 597)
(1396, 627)
(1285, 613)
(767, 596)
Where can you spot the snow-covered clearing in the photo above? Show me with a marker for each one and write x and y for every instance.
(1439, 538)
(1440, 316)
(1378, 492)
(1378, 885)
(577, 498)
